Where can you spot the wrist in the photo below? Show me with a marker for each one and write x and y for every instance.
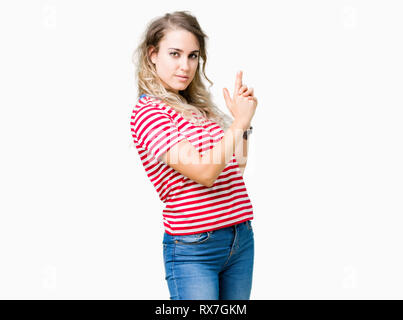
(241, 125)
(247, 132)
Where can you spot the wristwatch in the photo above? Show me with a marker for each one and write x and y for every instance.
(247, 132)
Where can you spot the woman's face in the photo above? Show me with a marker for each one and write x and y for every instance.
(178, 56)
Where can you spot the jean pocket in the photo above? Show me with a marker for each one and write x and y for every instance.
(249, 225)
(192, 238)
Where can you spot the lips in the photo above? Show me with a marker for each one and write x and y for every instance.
(183, 77)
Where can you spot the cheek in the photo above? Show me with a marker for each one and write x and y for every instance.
(194, 70)
(170, 67)
(165, 69)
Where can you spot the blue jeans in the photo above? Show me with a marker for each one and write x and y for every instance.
(212, 265)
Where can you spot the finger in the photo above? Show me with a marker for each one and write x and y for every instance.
(252, 98)
(227, 97)
(242, 89)
(238, 81)
(249, 92)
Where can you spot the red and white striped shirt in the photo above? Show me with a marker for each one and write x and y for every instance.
(190, 207)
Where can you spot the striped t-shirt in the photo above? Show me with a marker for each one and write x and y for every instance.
(190, 207)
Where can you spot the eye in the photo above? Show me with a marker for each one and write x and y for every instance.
(193, 54)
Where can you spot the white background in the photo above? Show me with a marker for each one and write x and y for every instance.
(79, 217)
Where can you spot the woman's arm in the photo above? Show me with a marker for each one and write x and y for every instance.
(184, 157)
(241, 154)
(241, 149)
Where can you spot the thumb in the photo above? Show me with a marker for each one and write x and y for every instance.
(227, 98)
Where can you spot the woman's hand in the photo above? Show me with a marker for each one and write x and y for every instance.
(243, 103)
(246, 92)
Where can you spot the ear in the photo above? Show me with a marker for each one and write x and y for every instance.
(151, 54)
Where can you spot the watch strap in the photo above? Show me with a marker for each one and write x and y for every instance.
(247, 132)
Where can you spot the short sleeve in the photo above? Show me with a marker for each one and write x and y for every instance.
(155, 131)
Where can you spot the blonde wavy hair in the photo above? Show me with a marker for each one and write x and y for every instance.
(195, 99)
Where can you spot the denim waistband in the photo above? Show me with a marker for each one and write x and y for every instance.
(224, 229)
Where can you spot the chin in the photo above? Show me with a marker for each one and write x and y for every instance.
(181, 88)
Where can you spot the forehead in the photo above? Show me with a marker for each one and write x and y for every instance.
(181, 39)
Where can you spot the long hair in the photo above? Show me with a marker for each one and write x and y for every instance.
(195, 99)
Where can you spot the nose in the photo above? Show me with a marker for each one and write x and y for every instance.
(184, 65)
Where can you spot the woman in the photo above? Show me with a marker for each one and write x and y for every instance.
(195, 166)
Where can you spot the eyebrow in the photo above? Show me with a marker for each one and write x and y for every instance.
(182, 50)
